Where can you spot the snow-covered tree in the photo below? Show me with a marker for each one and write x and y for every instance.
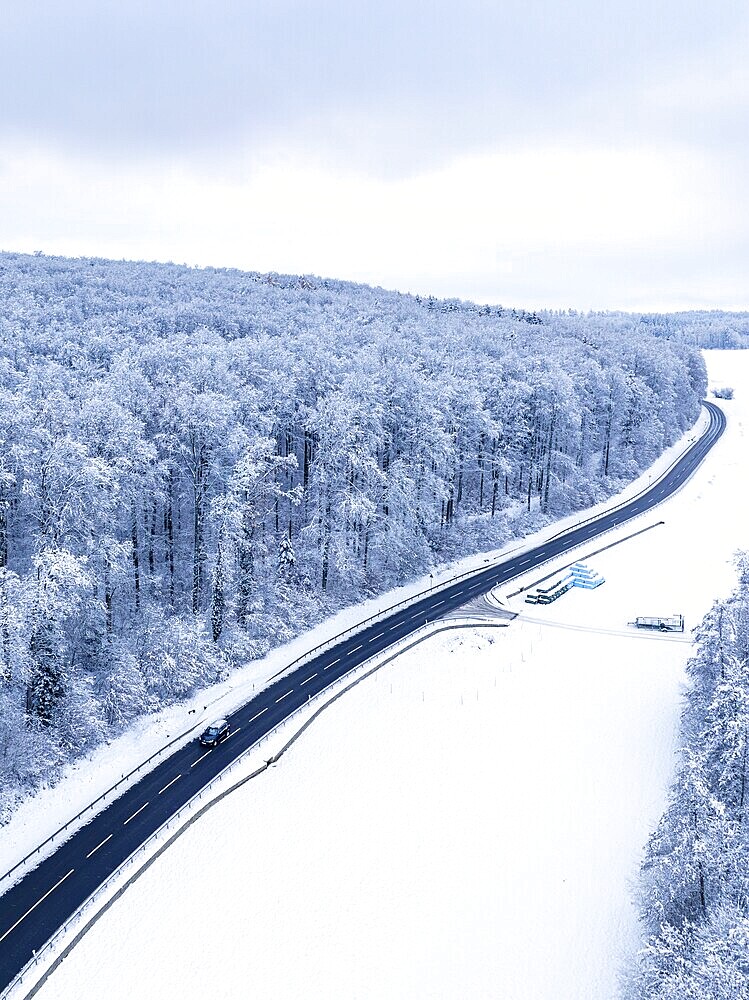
(163, 427)
(286, 559)
(218, 604)
(695, 879)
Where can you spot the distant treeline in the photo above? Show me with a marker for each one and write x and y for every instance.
(707, 329)
(197, 464)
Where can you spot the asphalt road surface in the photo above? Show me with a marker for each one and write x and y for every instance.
(46, 897)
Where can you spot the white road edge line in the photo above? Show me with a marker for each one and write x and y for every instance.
(170, 784)
(10, 929)
(138, 811)
(284, 695)
(308, 678)
(99, 845)
(257, 716)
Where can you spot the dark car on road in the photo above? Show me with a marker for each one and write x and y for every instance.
(215, 733)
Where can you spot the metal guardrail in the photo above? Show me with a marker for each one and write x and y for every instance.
(359, 626)
(645, 489)
(297, 662)
(175, 820)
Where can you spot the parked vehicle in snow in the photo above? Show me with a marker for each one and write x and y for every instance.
(674, 623)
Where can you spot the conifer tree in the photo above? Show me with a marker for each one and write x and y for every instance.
(286, 559)
(217, 595)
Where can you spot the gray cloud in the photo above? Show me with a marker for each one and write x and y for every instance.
(387, 86)
(326, 136)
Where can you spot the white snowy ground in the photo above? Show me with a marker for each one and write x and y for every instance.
(466, 823)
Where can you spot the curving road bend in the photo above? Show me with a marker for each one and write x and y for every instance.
(33, 909)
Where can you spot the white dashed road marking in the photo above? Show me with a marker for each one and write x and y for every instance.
(36, 904)
(170, 784)
(99, 845)
(142, 807)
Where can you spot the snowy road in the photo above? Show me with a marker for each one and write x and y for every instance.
(44, 899)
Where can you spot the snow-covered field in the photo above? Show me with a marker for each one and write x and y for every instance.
(468, 821)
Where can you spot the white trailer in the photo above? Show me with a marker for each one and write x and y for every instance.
(673, 623)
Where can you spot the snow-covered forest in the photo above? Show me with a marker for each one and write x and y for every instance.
(706, 329)
(197, 464)
(695, 879)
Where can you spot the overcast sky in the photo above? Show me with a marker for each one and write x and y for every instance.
(536, 153)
